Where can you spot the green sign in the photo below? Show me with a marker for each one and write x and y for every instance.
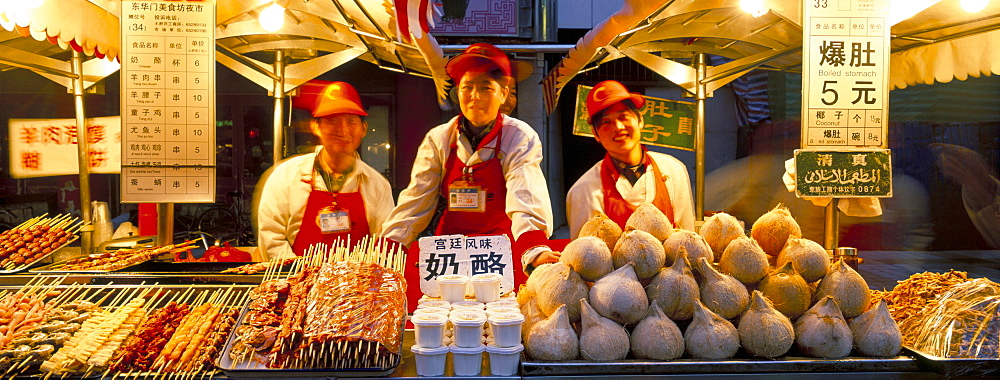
(668, 123)
(845, 174)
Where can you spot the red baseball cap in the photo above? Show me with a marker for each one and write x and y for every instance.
(606, 94)
(478, 55)
(338, 97)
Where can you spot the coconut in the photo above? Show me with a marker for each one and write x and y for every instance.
(674, 289)
(719, 230)
(603, 227)
(560, 285)
(601, 339)
(710, 336)
(745, 260)
(619, 296)
(657, 337)
(773, 228)
(650, 219)
(535, 278)
(722, 293)
(589, 256)
(875, 333)
(642, 250)
(846, 286)
(764, 331)
(692, 242)
(822, 332)
(809, 257)
(532, 315)
(553, 338)
(787, 291)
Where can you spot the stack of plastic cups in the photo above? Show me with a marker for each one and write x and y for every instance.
(429, 350)
(467, 350)
(505, 351)
(452, 287)
(487, 286)
(498, 307)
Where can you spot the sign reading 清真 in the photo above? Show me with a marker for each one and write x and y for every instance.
(464, 255)
(850, 174)
(48, 147)
(668, 123)
(845, 66)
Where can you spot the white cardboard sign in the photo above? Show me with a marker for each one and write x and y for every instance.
(465, 255)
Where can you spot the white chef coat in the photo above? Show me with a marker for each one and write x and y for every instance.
(283, 201)
(528, 204)
(586, 197)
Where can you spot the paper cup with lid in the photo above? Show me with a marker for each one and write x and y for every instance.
(504, 360)
(487, 286)
(430, 361)
(429, 329)
(432, 310)
(468, 327)
(506, 329)
(502, 310)
(452, 287)
(435, 303)
(504, 302)
(467, 361)
(466, 305)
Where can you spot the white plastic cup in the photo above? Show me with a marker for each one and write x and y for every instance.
(504, 360)
(506, 329)
(502, 310)
(435, 303)
(430, 361)
(468, 327)
(487, 286)
(432, 310)
(468, 305)
(467, 361)
(429, 329)
(503, 303)
(452, 287)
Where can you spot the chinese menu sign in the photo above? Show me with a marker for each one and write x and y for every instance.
(845, 73)
(168, 106)
(668, 123)
(465, 255)
(851, 174)
(48, 147)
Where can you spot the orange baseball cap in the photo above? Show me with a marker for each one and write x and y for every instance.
(477, 55)
(606, 94)
(338, 97)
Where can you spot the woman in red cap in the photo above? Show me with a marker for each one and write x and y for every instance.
(629, 175)
(328, 195)
(482, 169)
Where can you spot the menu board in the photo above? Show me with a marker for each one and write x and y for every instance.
(168, 101)
(845, 58)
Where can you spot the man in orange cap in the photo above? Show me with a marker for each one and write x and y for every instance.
(327, 195)
(629, 175)
(479, 173)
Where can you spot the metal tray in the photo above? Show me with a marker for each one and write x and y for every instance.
(786, 364)
(956, 366)
(54, 268)
(167, 267)
(27, 265)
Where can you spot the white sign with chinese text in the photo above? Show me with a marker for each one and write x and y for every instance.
(845, 65)
(48, 147)
(465, 255)
(168, 101)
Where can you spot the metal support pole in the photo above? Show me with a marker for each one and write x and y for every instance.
(699, 139)
(831, 229)
(164, 224)
(279, 107)
(83, 149)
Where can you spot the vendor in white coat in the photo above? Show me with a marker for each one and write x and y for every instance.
(328, 195)
(484, 167)
(629, 175)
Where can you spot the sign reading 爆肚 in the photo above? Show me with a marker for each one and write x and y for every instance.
(850, 174)
(668, 123)
(465, 255)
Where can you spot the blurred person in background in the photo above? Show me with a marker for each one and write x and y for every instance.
(980, 187)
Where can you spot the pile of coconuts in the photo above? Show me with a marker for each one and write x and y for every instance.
(655, 292)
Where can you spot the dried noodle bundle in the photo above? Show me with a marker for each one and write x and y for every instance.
(965, 323)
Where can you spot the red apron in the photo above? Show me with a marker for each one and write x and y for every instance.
(309, 231)
(616, 207)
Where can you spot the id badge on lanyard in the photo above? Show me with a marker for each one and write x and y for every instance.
(332, 220)
(465, 195)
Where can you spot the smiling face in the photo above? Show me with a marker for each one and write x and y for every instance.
(618, 129)
(340, 133)
(480, 96)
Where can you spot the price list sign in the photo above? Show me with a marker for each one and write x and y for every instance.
(168, 101)
(845, 73)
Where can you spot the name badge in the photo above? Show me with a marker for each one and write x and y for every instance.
(465, 197)
(332, 221)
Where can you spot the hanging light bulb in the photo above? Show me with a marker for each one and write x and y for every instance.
(753, 7)
(272, 18)
(973, 6)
